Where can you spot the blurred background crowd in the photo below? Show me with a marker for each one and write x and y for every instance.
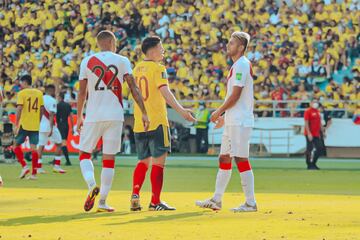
(296, 51)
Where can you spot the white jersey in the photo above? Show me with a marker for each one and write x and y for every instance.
(241, 114)
(49, 107)
(104, 72)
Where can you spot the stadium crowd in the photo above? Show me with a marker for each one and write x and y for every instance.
(300, 49)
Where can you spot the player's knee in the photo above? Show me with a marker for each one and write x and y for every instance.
(225, 162)
(145, 162)
(225, 159)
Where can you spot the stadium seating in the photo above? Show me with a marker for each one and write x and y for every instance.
(294, 46)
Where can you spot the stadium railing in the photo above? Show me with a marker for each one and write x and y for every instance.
(288, 108)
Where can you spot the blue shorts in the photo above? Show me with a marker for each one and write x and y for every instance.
(33, 137)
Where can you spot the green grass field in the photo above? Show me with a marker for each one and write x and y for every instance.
(293, 203)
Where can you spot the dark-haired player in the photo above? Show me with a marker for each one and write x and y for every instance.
(49, 131)
(30, 107)
(153, 145)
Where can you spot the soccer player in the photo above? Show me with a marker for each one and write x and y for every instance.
(238, 122)
(30, 107)
(49, 131)
(62, 115)
(153, 145)
(101, 76)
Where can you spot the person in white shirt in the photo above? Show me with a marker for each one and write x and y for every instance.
(101, 78)
(238, 123)
(49, 131)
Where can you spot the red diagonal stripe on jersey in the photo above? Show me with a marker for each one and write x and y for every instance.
(230, 74)
(46, 114)
(94, 61)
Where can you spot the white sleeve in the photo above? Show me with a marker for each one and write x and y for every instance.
(240, 74)
(83, 67)
(127, 66)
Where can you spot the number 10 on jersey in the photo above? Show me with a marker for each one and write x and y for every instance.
(143, 85)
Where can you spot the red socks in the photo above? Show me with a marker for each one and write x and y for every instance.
(139, 177)
(244, 166)
(20, 155)
(225, 166)
(34, 161)
(57, 161)
(157, 176)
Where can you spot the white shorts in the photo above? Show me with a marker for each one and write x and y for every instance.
(110, 131)
(236, 141)
(54, 138)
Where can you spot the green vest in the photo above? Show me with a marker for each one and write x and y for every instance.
(202, 117)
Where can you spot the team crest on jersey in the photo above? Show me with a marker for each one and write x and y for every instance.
(238, 76)
(164, 75)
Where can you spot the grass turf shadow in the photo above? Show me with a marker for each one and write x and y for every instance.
(161, 218)
(30, 220)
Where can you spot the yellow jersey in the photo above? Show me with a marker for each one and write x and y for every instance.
(150, 77)
(31, 100)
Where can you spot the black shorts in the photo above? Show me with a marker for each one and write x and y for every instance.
(153, 143)
(33, 137)
(64, 131)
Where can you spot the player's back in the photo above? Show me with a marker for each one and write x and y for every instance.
(104, 72)
(31, 100)
(150, 77)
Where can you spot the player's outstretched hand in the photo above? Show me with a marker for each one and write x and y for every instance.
(79, 124)
(220, 122)
(187, 114)
(215, 116)
(1, 182)
(146, 122)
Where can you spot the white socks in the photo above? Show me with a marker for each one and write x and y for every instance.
(222, 180)
(107, 175)
(247, 182)
(87, 170)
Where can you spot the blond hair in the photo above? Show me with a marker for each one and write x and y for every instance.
(243, 37)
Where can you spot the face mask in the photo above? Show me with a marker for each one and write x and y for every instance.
(201, 107)
(315, 105)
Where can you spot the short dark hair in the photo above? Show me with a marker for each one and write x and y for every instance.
(149, 42)
(26, 78)
(50, 86)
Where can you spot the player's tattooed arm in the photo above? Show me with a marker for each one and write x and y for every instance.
(135, 92)
(171, 100)
(230, 102)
